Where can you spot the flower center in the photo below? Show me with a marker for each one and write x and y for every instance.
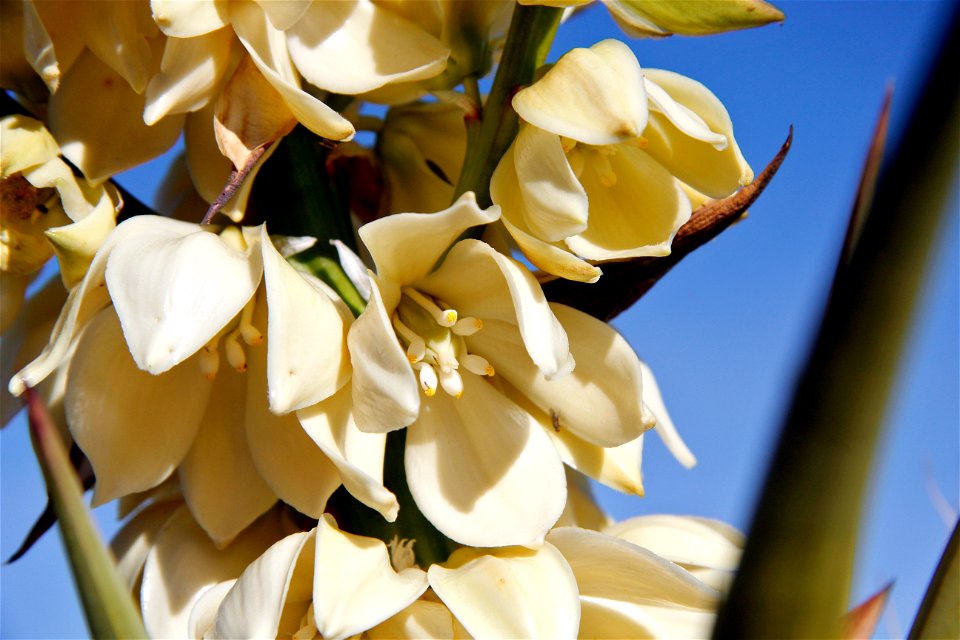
(433, 334)
(209, 355)
(597, 158)
(233, 350)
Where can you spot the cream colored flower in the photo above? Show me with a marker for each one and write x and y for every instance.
(181, 296)
(608, 160)
(467, 357)
(44, 209)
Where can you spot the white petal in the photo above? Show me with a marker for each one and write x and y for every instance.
(482, 283)
(119, 34)
(137, 537)
(637, 216)
(184, 564)
(179, 19)
(482, 470)
(354, 47)
(422, 619)
(594, 95)
(223, 494)
(283, 14)
(267, 46)
(51, 41)
(386, 395)
(354, 586)
(406, 246)
(108, 135)
(708, 549)
(175, 286)
(204, 612)
(555, 205)
(84, 301)
(553, 259)
(190, 73)
(616, 467)
(697, 159)
(653, 401)
(357, 455)
(683, 118)
(510, 593)
(253, 608)
(137, 437)
(354, 267)
(289, 461)
(26, 143)
(76, 244)
(608, 567)
(307, 360)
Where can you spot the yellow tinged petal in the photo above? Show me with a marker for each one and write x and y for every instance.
(357, 455)
(406, 246)
(653, 402)
(137, 537)
(118, 34)
(482, 470)
(223, 493)
(190, 74)
(268, 49)
(308, 359)
(179, 19)
(76, 244)
(160, 256)
(26, 143)
(283, 14)
(285, 456)
(551, 258)
(356, 46)
(136, 438)
(514, 592)
(254, 606)
(386, 395)
(108, 135)
(422, 619)
(637, 216)
(594, 95)
(184, 564)
(354, 585)
(716, 173)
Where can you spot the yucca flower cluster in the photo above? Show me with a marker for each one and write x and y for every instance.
(318, 437)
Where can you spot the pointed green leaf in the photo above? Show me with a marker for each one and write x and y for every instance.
(939, 614)
(794, 579)
(107, 602)
(657, 18)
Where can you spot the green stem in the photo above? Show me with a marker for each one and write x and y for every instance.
(531, 33)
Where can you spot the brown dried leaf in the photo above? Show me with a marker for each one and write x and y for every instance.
(861, 621)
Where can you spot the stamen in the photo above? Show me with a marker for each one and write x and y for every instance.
(428, 378)
(416, 346)
(209, 361)
(401, 553)
(235, 355)
(443, 317)
(467, 326)
(477, 365)
(251, 335)
(451, 382)
(233, 238)
(308, 628)
(567, 143)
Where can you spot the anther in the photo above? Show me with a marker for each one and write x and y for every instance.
(477, 365)
(250, 334)
(443, 317)
(235, 355)
(467, 326)
(209, 362)
(428, 378)
(451, 382)
(567, 143)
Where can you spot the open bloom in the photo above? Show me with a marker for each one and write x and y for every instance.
(610, 161)
(174, 316)
(469, 357)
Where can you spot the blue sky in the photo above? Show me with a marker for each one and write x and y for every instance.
(726, 331)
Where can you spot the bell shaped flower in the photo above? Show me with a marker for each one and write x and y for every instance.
(211, 364)
(46, 210)
(607, 160)
(465, 356)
